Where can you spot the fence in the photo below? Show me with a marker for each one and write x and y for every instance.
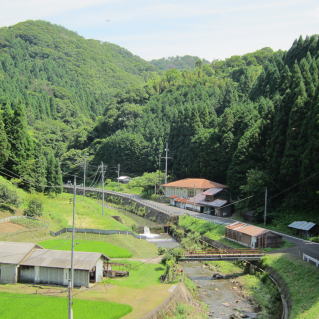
(97, 232)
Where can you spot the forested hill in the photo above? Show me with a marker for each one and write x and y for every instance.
(58, 74)
(185, 62)
(250, 121)
(53, 84)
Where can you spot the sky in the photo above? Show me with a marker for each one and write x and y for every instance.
(152, 29)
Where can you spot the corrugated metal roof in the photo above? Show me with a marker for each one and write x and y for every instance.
(247, 229)
(62, 259)
(13, 253)
(213, 191)
(302, 225)
(214, 203)
(200, 183)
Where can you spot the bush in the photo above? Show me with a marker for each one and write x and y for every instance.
(8, 196)
(314, 239)
(34, 208)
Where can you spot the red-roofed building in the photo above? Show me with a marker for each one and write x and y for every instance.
(200, 195)
(252, 236)
(189, 187)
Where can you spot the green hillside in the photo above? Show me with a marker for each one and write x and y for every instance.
(58, 74)
(185, 62)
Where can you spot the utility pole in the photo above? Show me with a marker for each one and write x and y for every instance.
(118, 172)
(265, 209)
(84, 176)
(102, 180)
(71, 275)
(166, 158)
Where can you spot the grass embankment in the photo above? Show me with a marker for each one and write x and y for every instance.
(38, 307)
(208, 229)
(87, 245)
(141, 275)
(302, 281)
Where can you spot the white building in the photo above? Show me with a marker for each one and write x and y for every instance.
(32, 264)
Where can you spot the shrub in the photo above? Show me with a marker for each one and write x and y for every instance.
(314, 239)
(8, 196)
(34, 208)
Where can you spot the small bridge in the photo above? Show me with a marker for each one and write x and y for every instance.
(219, 254)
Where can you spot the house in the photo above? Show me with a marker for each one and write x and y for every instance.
(124, 179)
(305, 229)
(189, 187)
(32, 264)
(199, 195)
(252, 236)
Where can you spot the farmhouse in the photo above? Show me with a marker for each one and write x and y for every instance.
(189, 187)
(200, 195)
(252, 236)
(30, 263)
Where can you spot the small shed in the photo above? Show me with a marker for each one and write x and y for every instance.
(124, 179)
(252, 236)
(11, 254)
(48, 266)
(304, 229)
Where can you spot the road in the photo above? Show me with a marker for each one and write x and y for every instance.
(301, 245)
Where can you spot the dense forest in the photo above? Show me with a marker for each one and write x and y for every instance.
(185, 62)
(249, 121)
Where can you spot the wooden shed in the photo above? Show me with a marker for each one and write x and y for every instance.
(252, 236)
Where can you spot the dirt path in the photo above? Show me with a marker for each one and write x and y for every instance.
(10, 227)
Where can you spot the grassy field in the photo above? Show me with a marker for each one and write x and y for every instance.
(105, 248)
(138, 247)
(302, 280)
(39, 307)
(141, 275)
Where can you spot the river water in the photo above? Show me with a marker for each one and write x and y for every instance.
(221, 295)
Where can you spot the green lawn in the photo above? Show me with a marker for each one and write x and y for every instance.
(141, 275)
(15, 306)
(302, 280)
(103, 247)
(138, 247)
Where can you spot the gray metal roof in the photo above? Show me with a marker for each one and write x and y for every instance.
(13, 253)
(302, 225)
(213, 191)
(62, 259)
(214, 203)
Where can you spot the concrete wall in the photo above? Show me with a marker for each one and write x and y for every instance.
(53, 276)
(8, 273)
(99, 271)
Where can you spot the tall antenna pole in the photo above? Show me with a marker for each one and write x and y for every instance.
(84, 176)
(265, 210)
(102, 177)
(71, 275)
(166, 153)
(118, 172)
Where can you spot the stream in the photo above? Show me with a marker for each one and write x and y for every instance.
(221, 295)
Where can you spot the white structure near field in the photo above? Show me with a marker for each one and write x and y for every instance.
(29, 263)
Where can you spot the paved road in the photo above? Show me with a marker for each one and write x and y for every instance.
(301, 245)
